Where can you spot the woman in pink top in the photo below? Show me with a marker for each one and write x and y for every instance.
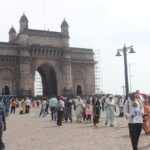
(88, 110)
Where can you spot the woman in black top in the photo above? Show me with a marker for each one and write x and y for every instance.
(96, 110)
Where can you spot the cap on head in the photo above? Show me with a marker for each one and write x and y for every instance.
(61, 98)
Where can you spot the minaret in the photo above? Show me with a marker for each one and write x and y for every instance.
(65, 33)
(64, 28)
(12, 34)
(23, 23)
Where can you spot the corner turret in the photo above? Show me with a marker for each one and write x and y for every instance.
(23, 23)
(12, 34)
(65, 28)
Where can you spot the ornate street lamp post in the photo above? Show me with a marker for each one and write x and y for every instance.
(124, 51)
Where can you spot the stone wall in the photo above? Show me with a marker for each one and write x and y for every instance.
(56, 42)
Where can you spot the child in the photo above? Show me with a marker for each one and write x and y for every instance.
(88, 111)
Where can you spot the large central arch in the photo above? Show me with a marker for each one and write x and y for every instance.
(49, 83)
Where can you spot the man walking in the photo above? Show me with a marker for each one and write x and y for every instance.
(28, 104)
(52, 104)
(60, 109)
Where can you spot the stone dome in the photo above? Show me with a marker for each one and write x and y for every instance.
(23, 18)
(64, 23)
(12, 30)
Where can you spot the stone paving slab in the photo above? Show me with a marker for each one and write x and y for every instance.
(31, 132)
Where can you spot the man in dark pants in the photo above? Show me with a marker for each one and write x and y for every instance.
(2, 127)
(60, 110)
(59, 118)
(134, 111)
(135, 131)
(52, 104)
(68, 109)
(103, 100)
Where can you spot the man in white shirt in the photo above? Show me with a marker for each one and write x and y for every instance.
(28, 104)
(60, 110)
(134, 110)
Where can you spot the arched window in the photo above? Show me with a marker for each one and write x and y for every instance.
(6, 81)
(5, 90)
(79, 90)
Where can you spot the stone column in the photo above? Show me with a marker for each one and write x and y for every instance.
(26, 82)
(25, 78)
(67, 78)
(67, 72)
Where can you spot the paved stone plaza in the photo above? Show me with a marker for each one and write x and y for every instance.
(31, 132)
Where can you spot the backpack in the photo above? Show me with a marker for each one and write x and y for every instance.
(59, 106)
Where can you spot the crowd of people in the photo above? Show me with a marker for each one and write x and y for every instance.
(86, 109)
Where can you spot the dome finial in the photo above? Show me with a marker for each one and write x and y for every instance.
(12, 30)
(64, 23)
(23, 18)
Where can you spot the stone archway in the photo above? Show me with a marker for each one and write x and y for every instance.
(6, 90)
(79, 90)
(6, 80)
(79, 83)
(49, 83)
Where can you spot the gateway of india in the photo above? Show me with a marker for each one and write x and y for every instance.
(64, 70)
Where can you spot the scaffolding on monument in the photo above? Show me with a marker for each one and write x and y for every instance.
(98, 71)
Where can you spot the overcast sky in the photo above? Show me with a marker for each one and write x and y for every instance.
(98, 24)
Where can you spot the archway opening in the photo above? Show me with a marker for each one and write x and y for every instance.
(48, 80)
(6, 90)
(6, 82)
(79, 90)
(38, 88)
